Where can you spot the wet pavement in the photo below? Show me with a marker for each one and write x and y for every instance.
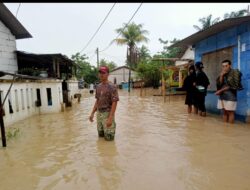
(157, 146)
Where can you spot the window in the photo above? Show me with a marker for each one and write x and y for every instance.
(38, 98)
(10, 103)
(49, 97)
(212, 64)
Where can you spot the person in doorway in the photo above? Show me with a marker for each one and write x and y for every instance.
(202, 83)
(228, 82)
(105, 105)
(191, 91)
(91, 88)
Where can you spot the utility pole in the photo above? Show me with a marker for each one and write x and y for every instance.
(129, 73)
(97, 53)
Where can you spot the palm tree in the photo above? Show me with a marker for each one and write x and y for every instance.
(206, 22)
(239, 13)
(131, 34)
(144, 53)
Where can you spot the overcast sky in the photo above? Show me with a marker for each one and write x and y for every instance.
(67, 27)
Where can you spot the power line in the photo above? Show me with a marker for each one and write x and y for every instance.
(123, 27)
(18, 9)
(98, 28)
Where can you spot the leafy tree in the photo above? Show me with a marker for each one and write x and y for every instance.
(206, 22)
(85, 70)
(144, 54)
(240, 13)
(149, 72)
(131, 35)
(110, 64)
(168, 52)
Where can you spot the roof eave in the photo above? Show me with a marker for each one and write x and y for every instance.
(12, 23)
(212, 30)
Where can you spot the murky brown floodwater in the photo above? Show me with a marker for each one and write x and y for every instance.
(157, 146)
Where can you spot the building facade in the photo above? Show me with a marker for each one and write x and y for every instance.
(228, 39)
(27, 97)
(121, 74)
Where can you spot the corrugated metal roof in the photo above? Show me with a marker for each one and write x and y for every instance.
(212, 30)
(12, 23)
(46, 57)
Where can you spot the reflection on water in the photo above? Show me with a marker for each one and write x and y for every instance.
(157, 145)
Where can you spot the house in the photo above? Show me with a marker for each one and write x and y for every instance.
(179, 70)
(55, 65)
(186, 58)
(10, 31)
(51, 66)
(188, 54)
(228, 39)
(121, 74)
(29, 95)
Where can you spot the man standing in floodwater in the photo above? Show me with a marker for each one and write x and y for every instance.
(105, 105)
(228, 82)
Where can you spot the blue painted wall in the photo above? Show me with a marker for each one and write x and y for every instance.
(225, 39)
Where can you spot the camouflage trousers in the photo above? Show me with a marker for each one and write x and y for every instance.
(103, 131)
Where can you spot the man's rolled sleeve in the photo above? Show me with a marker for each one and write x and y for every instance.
(114, 96)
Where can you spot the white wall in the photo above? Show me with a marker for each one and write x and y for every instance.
(73, 89)
(8, 60)
(121, 75)
(26, 107)
(189, 54)
(23, 93)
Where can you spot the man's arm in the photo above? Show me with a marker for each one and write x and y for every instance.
(93, 112)
(218, 92)
(220, 82)
(111, 114)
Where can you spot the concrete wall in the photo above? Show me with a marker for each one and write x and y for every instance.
(225, 39)
(23, 96)
(73, 89)
(189, 54)
(121, 75)
(8, 60)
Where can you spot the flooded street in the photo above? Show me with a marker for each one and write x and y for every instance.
(157, 146)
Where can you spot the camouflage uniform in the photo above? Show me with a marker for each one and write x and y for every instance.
(106, 94)
(103, 131)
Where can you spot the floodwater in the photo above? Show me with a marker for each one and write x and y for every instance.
(157, 146)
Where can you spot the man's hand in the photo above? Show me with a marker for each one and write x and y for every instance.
(91, 118)
(109, 121)
(223, 72)
(218, 92)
